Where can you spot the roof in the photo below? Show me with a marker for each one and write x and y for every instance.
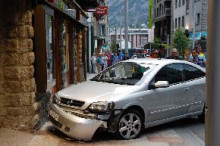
(154, 60)
(161, 61)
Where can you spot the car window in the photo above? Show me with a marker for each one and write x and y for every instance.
(122, 73)
(190, 72)
(171, 73)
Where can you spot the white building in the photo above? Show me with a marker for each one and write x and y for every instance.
(138, 37)
(190, 14)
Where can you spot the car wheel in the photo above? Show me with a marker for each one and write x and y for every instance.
(130, 125)
(202, 116)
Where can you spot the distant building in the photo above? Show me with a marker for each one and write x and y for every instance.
(100, 28)
(188, 15)
(138, 37)
(162, 19)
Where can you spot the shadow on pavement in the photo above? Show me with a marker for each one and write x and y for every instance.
(103, 136)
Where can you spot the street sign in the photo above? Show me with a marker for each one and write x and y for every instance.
(101, 10)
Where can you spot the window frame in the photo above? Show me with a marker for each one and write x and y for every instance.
(184, 64)
(153, 80)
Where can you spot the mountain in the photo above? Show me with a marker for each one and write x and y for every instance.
(138, 12)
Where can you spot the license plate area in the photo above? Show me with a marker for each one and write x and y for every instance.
(54, 115)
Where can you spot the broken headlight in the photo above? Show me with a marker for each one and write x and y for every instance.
(102, 106)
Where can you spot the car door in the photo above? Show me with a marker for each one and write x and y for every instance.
(168, 102)
(194, 78)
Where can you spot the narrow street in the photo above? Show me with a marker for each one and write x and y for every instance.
(186, 132)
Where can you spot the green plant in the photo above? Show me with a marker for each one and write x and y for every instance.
(180, 41)
(156, 43)
(113, 46)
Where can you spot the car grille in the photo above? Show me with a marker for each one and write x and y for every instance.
(70, 102)
(79, 113)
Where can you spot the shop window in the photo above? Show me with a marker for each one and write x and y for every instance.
(50, 53)
(66, 47)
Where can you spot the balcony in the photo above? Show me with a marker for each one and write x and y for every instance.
(88, 4)
(167, 13)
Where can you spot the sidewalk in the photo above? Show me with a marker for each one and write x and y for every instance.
(49, 136)
(182, 133)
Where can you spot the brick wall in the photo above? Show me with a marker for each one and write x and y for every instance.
(17, 84)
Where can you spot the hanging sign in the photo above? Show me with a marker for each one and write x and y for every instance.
(101, 10)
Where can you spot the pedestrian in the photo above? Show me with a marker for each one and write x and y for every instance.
(199, 52)
(120, 55)
(100, 63)
(115, 59)
(93, 62)
(126, 57)
(174, 55)
(105, 60)
(154, 54)
(196, 59)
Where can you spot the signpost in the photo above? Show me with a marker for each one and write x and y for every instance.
(213, 75)
(101, 10)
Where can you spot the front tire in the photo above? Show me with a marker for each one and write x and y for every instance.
(130, 125)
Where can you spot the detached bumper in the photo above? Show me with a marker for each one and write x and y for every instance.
(73, 126)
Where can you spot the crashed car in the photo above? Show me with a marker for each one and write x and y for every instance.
(130, 96)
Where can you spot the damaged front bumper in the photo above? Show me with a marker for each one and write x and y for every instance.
(72, 125)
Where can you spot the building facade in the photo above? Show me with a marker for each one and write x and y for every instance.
(100, 28)
(162, 19)
(43, 50)
(137, 37)
(190, 15)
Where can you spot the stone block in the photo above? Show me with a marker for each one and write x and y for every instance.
(24, 86)
(24, 18)
(15, 59)
(19, 73)
(2, 84)
(18, 122)
(18, 45)
(18, 99)
(23, 31)
(11, 45)
(1, 73)
(17, 111)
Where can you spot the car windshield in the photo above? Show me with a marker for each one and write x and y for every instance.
(124, 73)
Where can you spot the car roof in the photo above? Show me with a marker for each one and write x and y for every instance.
(153, 61)
(161, 62)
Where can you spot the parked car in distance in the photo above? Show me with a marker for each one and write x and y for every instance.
(130, 96)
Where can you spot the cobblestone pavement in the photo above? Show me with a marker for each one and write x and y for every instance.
(187, 132)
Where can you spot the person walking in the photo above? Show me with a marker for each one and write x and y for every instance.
(174, 55)
(100, 63)
(154, 54)
(115, 59)
(105, 60)
(196, 59)
(120, 55)
(93, 62)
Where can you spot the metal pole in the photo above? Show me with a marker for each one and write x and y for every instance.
(126, 26)
(168, 39)
(213, 75)
(90, 47)
(194, 24)
(120, 27)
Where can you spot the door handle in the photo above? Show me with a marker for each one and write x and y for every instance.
(187, 90)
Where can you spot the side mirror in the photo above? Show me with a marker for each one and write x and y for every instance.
(161, 84)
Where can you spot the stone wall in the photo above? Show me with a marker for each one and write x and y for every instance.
(17, 84)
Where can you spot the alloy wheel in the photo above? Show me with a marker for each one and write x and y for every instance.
(130, 126)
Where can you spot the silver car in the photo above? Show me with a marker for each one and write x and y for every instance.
(130, 96)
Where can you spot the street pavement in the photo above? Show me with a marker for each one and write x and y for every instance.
(186, 132)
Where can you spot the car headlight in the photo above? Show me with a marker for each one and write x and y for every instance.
(55, 99)
(102, 106)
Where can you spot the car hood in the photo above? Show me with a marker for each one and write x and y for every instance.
(91, 91)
